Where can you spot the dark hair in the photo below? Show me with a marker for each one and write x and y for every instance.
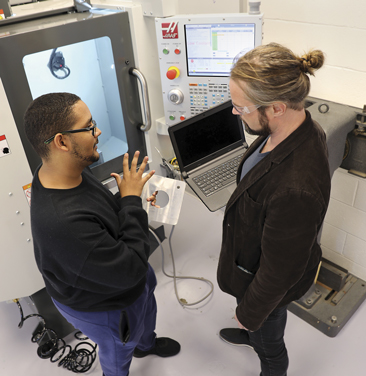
(274, 73)
(46, 116)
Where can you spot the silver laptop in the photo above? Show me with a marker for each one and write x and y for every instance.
(209, 147)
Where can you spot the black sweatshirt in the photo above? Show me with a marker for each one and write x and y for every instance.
(90, 246)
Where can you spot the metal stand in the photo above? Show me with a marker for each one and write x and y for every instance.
(331, 302)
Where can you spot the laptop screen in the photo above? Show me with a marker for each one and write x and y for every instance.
(206, 136)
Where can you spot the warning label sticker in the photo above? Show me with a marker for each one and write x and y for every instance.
(4, 147)
(27, 192)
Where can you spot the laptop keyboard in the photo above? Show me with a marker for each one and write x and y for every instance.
(218, 177)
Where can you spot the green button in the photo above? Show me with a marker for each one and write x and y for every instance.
(165, 51)
(172, 117)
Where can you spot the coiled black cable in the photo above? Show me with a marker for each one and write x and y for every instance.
(78, 360)
(57, 63)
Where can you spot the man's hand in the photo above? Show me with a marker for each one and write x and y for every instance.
(132, 182)
(241, 326)
(152, 199)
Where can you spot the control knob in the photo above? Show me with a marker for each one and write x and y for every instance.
(175, 96)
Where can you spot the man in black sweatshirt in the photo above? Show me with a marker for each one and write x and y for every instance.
(91, 246)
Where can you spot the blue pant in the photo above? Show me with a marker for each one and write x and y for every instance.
(118, 332)
(269, 344)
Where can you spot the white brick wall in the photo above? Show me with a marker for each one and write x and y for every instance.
(334, 26)
(338, 28)
(344, 235)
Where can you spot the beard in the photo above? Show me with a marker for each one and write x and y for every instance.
(85, 160)
(263, 121)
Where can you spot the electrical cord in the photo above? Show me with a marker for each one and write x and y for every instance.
(78, 360)
(174, 163)
(172, 170)
(181, 301)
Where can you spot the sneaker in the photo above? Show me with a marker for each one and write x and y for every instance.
(235, 337)
(164, 347)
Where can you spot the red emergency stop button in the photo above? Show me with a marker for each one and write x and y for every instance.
(182, 117)
(172, 73)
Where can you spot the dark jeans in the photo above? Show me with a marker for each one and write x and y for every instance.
(269, 344)
(117, 333)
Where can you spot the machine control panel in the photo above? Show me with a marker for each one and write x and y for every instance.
(196, 53)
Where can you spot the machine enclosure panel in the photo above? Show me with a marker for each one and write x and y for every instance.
(19, 275)
(39, 35)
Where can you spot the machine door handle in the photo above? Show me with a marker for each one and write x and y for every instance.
(145, 99)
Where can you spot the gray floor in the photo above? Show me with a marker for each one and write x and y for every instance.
(196, 243)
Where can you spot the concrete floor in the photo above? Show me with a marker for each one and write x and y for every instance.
(196, 244)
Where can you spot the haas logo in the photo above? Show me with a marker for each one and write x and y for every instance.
(170, 30)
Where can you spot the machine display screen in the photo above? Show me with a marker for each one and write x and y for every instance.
(211, 48)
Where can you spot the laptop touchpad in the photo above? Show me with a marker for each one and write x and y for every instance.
(231, 188)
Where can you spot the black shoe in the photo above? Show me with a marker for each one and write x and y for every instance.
(236, 337)
(164, 347)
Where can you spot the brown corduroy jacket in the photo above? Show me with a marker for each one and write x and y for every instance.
(270, 253)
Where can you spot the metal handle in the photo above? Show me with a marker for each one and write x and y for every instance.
(145, 98)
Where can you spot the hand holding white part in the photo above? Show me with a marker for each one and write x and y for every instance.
(152, 199)
(240, 325)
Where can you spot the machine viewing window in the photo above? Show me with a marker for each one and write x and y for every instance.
(211, 48)
(86, 69)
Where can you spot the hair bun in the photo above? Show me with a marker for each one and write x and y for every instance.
(311, 61)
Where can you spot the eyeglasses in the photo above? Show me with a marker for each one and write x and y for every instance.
(245, 109)
(92, 129)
